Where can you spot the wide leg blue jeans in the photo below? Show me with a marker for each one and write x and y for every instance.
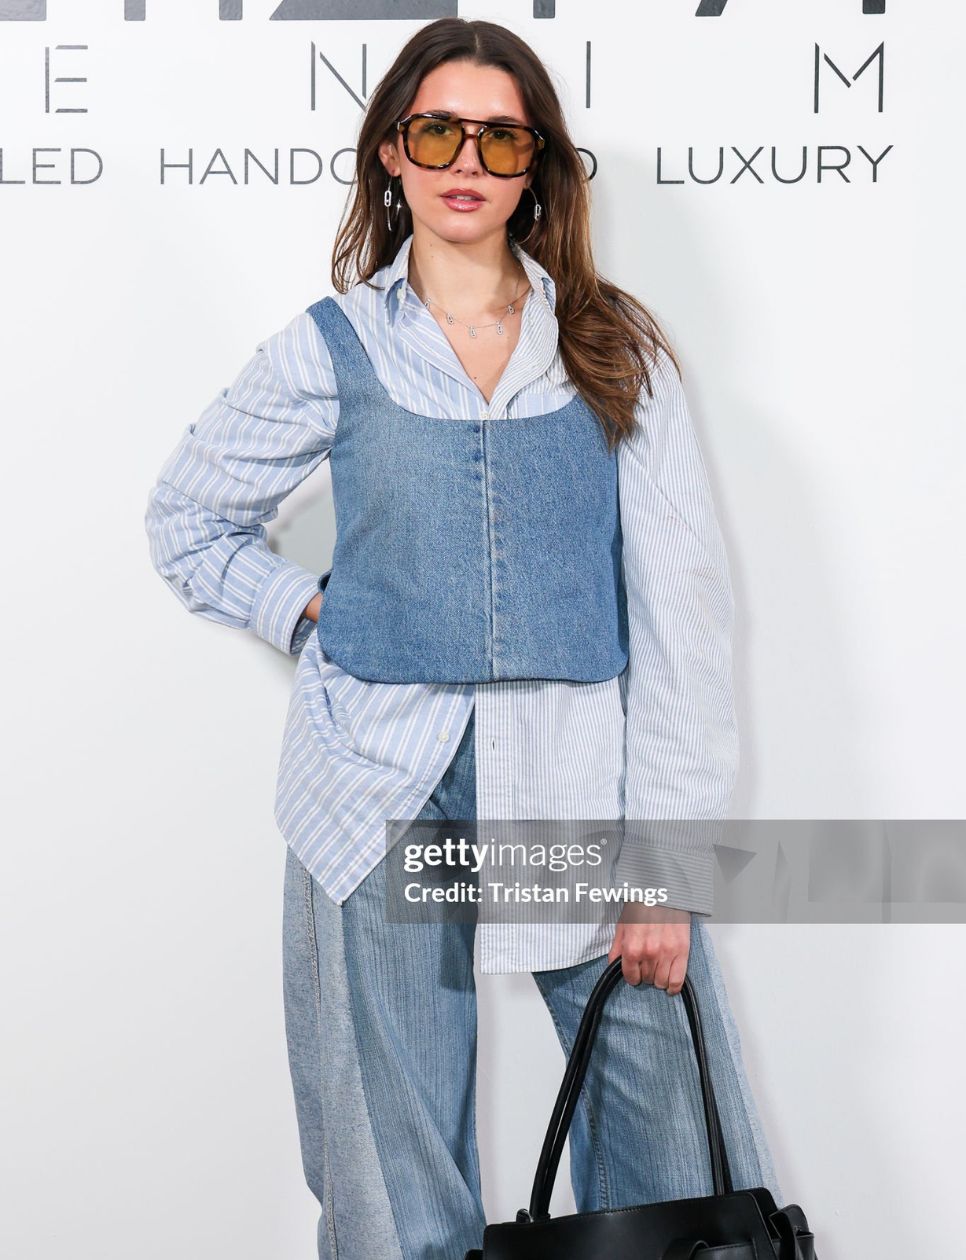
(381, 1026)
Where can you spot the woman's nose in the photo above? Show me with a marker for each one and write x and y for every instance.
(472, 157)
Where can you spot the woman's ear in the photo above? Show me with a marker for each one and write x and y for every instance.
(389, 157)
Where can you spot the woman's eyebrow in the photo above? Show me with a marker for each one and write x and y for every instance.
(493, 118)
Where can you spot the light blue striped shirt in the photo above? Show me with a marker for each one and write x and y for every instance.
(659, 741)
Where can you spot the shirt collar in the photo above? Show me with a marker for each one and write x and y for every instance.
(394, 277)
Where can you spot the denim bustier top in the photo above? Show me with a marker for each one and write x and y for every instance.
(467, 550)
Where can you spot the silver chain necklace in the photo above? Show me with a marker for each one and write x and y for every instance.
(498, 324)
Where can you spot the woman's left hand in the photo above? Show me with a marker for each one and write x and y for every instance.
(653, 943)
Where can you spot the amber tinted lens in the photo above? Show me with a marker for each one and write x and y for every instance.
(507, 150)
(434, 142)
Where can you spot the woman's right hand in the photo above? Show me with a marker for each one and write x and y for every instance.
(312, 608)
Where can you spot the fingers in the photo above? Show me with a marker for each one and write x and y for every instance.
(662, 971)
(679, 969)
(631, 970)
(655, 954)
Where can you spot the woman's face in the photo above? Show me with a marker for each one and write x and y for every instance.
(468, 91)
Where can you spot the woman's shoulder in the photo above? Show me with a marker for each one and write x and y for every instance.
(294, 364)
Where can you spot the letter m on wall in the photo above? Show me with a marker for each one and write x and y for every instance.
(822, 59)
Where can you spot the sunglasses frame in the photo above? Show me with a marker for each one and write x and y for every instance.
(403, 126)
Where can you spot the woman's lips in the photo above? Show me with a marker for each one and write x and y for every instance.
(456, 203)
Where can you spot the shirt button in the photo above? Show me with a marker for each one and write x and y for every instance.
(443, 736)
(486, 415)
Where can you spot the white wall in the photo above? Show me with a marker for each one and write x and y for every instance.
(146, 1100)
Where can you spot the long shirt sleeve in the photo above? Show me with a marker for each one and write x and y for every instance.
(681, 738)
(223, 482)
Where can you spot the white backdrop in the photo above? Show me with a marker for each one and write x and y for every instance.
(146, 1100)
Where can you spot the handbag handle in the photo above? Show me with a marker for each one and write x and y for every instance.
(574, 1078)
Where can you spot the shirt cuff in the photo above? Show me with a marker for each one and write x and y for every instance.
(279, 604)
(666, 855)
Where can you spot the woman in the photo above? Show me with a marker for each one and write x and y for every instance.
(479, 401)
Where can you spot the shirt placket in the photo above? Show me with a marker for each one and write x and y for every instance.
(496, 781)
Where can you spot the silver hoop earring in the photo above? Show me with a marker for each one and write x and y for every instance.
(387, 202)
(537, 212)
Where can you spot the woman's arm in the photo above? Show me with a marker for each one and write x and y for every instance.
(681, 735)
(251, 446)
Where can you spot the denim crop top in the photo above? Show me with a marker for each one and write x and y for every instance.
(468, 550)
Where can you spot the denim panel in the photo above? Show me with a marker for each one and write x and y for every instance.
(339, 1154)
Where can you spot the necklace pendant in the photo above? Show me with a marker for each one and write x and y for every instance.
(499, 327)
(449, 318)
(472, 331)
(510, 309)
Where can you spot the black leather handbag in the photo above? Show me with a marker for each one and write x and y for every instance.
(726, 1225)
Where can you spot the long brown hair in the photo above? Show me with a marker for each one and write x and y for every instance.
(608, 340)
